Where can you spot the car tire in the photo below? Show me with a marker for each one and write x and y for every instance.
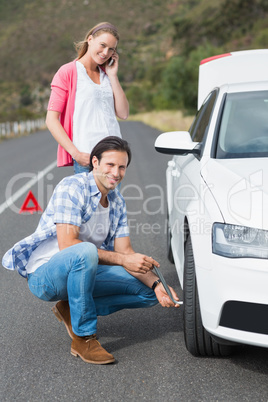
(198, 341)
(169, 249)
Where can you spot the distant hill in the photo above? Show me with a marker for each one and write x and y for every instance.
(161, 44)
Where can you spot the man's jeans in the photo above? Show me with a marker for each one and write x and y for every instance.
(73, 274)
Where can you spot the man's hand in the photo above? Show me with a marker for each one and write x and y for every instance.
(163, 297)
(138, 263)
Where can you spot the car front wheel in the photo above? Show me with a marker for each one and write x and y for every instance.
(198, 341)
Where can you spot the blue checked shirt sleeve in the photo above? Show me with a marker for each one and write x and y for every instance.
(122, 228)
(68, 203)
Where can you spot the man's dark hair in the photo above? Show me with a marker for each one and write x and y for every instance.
(110, 143)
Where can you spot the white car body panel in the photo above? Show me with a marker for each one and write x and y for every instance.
(196, 201)
(219, 279)
(231, 279)
(242, 192)
(205, 190)
(236, 67)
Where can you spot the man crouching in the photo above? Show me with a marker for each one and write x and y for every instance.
(81, 254)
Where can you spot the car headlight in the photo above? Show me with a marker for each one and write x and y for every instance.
(236, 241)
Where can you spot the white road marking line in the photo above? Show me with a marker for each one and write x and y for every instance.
(26, 187)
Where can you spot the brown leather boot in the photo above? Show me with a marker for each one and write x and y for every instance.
(90, 350)
(62, 312)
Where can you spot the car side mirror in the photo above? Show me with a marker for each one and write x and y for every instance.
(176, 143)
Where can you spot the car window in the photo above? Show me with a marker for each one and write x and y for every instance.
(243, 131)
(201, 122)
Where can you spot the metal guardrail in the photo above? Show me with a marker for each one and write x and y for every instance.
(15, 128)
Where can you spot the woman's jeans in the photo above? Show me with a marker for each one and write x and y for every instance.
(79, 168)
(73, 274)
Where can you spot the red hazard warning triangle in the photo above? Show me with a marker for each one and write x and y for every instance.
(30, 199)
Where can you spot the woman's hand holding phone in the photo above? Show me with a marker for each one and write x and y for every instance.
(112, 60)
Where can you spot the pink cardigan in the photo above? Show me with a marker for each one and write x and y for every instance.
(62, 100)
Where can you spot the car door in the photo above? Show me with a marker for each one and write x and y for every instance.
(186, 183)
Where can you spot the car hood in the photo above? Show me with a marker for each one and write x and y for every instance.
(240, 188)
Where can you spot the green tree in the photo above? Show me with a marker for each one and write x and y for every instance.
(178, 85)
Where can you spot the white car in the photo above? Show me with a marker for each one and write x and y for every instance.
(217, 196)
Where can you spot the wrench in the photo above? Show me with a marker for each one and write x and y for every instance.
(164, 283)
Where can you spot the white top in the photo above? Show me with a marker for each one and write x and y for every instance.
(94, 231)
(94, 114)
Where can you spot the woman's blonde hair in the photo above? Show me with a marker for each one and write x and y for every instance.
(82, 46)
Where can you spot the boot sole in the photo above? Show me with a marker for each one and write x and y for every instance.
(61, 319)
(76, 354)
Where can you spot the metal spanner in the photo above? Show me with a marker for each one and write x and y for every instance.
(164, 283)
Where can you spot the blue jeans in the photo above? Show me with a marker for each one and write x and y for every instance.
(79, 168)
(73, 274)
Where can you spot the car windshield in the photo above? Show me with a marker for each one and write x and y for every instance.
(243, 131)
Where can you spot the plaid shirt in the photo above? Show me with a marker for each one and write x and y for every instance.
(73, 202)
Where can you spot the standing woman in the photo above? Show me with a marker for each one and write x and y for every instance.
(86, 96)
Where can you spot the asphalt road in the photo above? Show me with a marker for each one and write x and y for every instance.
(152, 363)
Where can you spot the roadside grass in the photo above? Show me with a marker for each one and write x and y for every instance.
(165, 120)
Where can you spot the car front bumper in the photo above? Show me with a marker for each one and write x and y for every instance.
(234, 299)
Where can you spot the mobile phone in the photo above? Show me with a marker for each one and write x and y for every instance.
(111, 61)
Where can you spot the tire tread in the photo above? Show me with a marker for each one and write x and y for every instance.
(198, 341)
